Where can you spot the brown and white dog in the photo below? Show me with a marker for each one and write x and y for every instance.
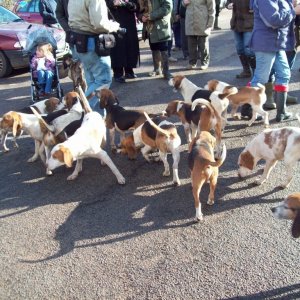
(203, 117)
(85, 142)
(289, 209)
(204, 168)
(152, 135)
(117, 117)
(271, 145)
(191, 92)
(74, 70)
(255, 96)
(43, 107)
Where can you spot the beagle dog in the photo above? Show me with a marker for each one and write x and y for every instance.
(204, 168)
(271, 145)
(16, 122)
(201, 117)
(289, 209)
(85, 142)
(254, 96)
(117, 117)
(43, 107)
(152, 135)
(191, 92)
(74, 70)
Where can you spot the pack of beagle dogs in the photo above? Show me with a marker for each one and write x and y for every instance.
(70, 131)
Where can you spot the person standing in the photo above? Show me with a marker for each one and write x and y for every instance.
(241, 24)
(156, 18)
(47, 10)
(199, 21)
(88, 19)
(273, 35)
(183, 38)
(125, 55)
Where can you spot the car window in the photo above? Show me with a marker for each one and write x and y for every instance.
(28, 6)
(7, 16)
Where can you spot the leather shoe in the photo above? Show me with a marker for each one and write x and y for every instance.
(130, 75)
(120, 79)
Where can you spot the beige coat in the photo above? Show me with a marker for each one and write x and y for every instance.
(200, 15)
(90, 16)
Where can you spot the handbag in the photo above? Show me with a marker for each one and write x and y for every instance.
(103, 43)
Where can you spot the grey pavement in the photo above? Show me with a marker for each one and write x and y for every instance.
(94, 239)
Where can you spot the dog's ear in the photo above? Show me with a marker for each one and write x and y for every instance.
(68, 157)
(296, 226)
(16, 125)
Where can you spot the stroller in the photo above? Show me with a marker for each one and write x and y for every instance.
(36, 38)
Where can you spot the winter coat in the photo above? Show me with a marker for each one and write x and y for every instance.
(47, 10)
(273, 25)
(62, 14)
(49, 64)
(158, 28)
(126, 51)
(90, 17)
(242, 16)
(200, 15)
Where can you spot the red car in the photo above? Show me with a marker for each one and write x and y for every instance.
(28, 10)
(13, 38)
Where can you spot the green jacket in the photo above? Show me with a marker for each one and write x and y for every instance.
(160, 17)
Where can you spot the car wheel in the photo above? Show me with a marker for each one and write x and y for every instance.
(5, 66)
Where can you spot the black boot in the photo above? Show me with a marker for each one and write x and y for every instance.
(165, 65)
(281, 106)
(252, 63)
(246, 73)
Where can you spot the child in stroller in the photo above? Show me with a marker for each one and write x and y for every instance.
(43, 68)
(41, 48)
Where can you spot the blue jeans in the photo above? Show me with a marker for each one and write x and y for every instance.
(242, 40)
(97, 71)
(45, 78)
(264, 63)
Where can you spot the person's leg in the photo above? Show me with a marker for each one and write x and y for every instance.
(291, 56)
(41, 80)
(203, 45)
(177, 35)
(49, 79)
(240, 50)
(118, 75)
(282, 79)
(156, 57)
(216, 24)
(248, 51)
(193, 50)
(183, 37)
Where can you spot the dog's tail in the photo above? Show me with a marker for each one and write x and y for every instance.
(208, 105)
(219, 162)
(44, 125)
(165, 132)
(84, 100)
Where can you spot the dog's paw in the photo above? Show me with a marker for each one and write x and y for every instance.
(210, 201)
(166, 173)
(259, 181)
(199, 218)
(176, 183)
(121, 180)
(284, 185)
(72, 177)
(48, 172)
(32, 159)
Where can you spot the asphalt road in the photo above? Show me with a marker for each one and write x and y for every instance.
(94, 239)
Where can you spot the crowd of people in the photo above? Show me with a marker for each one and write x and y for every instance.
(264, 34)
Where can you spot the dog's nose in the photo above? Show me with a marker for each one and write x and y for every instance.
(273, 209)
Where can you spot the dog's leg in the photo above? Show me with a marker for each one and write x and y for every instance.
(47, 153)
(234, 109)
(194, 131)
(265, 116)
(254, 116)
(270, 164)
(212, 187)
(103, 156)
(163, 157)
(35, 156)
(290, 172)
(176, 158)
(112, 133)
(4, 135)
(197, 185)
(77, 170)
(145, 151)
(122, 137)
(187, 131)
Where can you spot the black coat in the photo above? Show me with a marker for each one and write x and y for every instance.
(126, 51)
(47, 10)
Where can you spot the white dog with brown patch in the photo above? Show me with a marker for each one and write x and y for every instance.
(271, 145)
(86, 142)
(289, 209)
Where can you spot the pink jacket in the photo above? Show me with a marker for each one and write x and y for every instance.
(49, 64)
